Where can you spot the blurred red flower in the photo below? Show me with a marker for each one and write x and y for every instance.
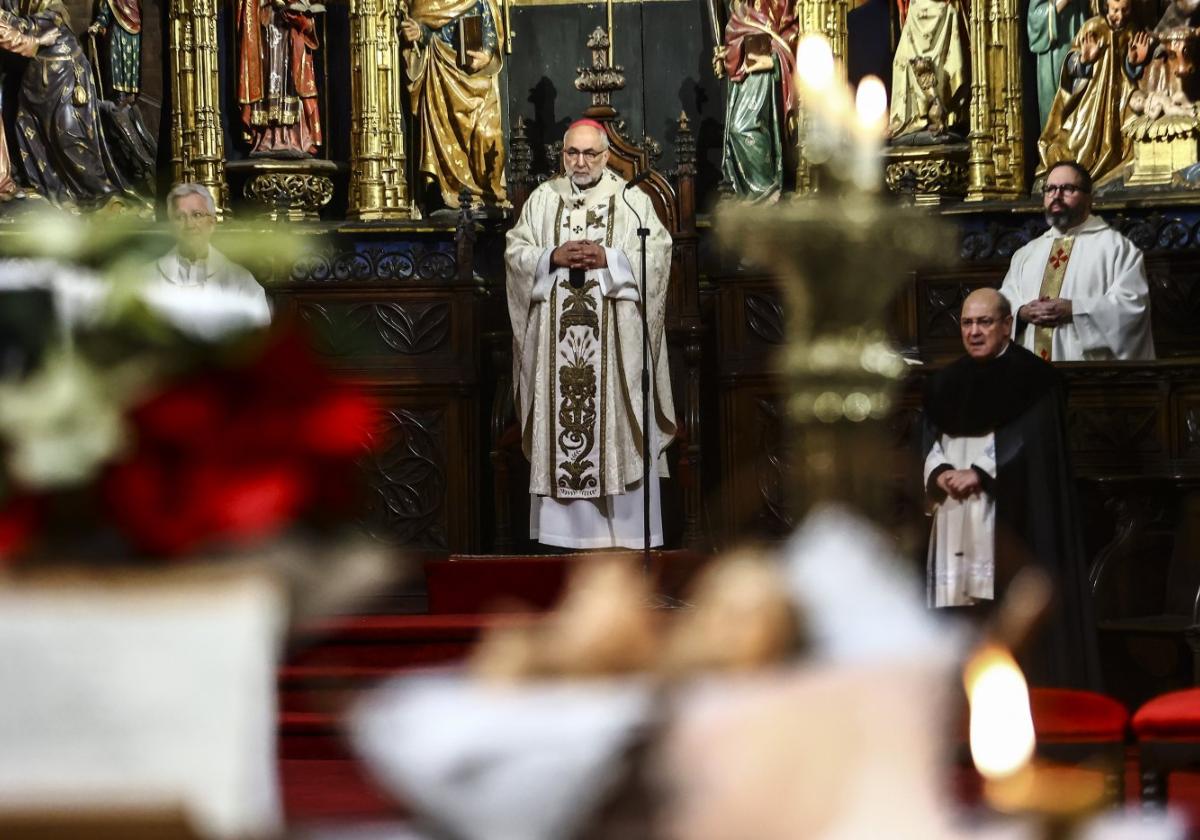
(19, 518)
(239, 453)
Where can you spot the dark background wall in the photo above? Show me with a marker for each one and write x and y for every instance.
(664, 47)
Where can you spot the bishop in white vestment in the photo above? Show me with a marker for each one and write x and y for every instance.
(574, 300)
(1079, 291)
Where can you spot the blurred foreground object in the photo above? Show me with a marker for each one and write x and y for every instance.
(143, 692)
(167, 505)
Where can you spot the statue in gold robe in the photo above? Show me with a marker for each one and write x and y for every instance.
(277, 86)
(1099, 77)
(453, 61)
(930, 75)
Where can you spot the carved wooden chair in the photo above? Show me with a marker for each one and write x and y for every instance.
(1146, 587)
(675, 205)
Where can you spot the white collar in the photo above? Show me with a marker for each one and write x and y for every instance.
(1092, 224)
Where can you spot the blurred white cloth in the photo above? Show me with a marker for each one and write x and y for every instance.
(498, 763)
(859, 599)
(228, 300)
(144, 694)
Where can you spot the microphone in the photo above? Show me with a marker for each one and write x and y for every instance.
(638, 178)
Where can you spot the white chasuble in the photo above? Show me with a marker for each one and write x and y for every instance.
(577, 350)
(1105, 280)
(962, 554)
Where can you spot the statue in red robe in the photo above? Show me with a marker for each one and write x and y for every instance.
(277, 86)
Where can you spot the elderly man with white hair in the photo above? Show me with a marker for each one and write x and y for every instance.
(224, 290)
(194, 287)
(574, 299)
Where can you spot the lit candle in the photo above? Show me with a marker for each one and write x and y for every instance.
(870, 106)
(1002, 739)
(814, 63)
(819, 97)
(1002, 747)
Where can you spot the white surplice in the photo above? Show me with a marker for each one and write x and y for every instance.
(577, 360)
(1106, 284)
(210, 296)
(962, 545)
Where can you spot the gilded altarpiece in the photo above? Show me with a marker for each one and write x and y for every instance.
(996, 166)
(197, 145)
(378, 185)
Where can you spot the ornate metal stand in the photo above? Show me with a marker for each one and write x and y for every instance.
(840, 256)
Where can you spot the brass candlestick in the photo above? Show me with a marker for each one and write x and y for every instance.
(840, 255)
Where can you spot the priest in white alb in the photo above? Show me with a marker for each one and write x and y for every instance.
(1079, 291)
(574, 299)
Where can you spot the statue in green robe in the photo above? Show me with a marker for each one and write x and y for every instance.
(121, 22)
(1052, 25)
(758, 56)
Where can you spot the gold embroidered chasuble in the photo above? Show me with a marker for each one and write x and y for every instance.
(577, 352)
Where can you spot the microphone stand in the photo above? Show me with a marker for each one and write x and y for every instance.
(643, 232)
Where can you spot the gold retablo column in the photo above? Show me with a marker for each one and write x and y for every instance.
(378, 186)
(996, 167)
(197, 145)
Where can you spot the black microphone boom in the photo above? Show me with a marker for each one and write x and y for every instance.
(638, 178)
(647, 457)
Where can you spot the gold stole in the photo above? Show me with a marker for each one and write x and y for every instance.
(1052, 280)
(578, 338)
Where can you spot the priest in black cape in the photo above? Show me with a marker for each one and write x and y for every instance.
(998, 473)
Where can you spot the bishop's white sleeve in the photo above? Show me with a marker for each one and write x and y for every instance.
(543, 278)
(618, 280)
(1117, 322)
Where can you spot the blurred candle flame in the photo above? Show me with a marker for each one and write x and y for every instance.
(814, 63)
(870, 103)
(1002, 738)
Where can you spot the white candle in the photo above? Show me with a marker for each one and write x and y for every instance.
(819, 97)
(870, 106)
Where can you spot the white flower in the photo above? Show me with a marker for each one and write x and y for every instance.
(61, 424)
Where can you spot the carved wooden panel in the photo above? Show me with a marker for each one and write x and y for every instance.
(771, 466)
(408, 328)
(432, 262)
(1187, 422)
(407, 476)
(764, 317)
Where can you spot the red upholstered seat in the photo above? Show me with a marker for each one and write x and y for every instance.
(1172, 716)
(1063, 714)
